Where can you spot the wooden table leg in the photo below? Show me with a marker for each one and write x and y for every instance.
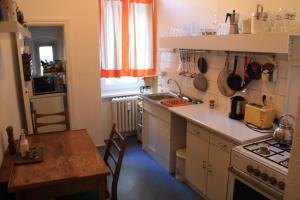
(102, 188)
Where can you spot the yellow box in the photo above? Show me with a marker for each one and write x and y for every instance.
(260, 116)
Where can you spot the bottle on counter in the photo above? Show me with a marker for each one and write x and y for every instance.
(24, 146)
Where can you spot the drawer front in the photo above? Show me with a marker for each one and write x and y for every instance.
(198, 131)
(223, 144)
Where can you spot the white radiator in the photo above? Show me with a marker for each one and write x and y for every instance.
(125, 113)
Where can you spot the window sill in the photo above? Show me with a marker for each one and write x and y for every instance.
(107, 95)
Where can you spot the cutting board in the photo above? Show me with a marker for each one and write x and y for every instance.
(174, 102)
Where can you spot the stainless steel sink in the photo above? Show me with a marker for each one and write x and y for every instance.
(158, 97)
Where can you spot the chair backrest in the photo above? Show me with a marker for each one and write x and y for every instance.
(38, 124)
(115, 150)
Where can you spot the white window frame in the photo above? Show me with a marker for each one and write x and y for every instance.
(121, 85)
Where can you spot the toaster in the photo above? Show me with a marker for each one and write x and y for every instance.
(260, 116)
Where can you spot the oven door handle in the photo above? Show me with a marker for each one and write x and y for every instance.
(257, 184)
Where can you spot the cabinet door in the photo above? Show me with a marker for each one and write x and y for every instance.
(196, 161)
(156, 138)
(162, 129)
(149, 134)
(217, 173)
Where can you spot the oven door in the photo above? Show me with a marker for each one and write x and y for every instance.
(242, 186)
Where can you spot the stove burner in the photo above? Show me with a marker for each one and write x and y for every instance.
(285, 163)
(285, 147)
(271, 150)
(264, 150)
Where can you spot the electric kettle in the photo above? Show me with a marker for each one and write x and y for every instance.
(237, 108)
(284, 133)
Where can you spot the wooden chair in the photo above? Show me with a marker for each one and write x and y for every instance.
(116, 142)
(37, 116)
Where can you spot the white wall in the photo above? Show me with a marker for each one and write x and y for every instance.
(83, 49)
(178, 12)
(9, 110)
(169, 62)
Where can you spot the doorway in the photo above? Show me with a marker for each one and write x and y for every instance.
(48, 82)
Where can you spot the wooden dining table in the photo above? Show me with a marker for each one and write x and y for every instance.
(71, 164)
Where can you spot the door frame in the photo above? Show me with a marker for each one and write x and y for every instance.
(67, 51)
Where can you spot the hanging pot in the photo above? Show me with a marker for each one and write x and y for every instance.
(234, 80)
(222, 80)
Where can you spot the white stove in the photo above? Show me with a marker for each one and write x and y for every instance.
(259, 169)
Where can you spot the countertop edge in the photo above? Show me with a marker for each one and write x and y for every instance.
(217, 132)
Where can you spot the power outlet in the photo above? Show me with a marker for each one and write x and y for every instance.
(269, 99)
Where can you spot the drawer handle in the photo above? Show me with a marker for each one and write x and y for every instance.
(198, 132)
(209, 168)
(222, 145)
(204, 164)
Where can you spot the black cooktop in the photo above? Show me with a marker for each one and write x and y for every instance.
(271, 150)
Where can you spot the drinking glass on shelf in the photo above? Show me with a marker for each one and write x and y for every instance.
(222, 29)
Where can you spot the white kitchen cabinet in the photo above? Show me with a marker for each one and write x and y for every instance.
(163, 133)
(217, 173)
(196, 161)
(156, 138)
(156, 133)
(207, 162)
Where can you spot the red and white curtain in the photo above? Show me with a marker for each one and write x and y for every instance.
(128, 38)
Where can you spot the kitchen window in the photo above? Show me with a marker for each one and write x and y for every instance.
(128, 38)
(122, 86)
(46, 55)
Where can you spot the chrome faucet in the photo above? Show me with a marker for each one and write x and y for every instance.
(178, 94)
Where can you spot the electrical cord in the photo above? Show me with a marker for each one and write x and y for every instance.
(255, 128)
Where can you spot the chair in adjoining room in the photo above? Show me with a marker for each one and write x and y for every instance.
(38, 116)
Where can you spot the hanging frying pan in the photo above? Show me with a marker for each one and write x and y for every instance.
(254, 70)
(202, 65)
(222, 80)
(234, 80)
(200, 82)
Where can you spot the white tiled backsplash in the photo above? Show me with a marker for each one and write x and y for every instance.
(275, 91)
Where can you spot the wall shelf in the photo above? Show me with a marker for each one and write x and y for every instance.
(257, 43)
(14, 27)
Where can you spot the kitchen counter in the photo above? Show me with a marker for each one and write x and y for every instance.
(219, 123)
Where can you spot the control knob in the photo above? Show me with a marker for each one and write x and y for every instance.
(264, 176)
(273, 181)
(281, 185)
(256, 172)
